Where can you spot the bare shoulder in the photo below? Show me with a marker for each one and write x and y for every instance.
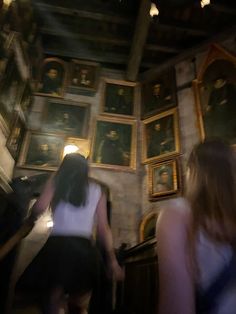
(175, 216)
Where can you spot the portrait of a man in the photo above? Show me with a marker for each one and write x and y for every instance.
(215, 94)
(161, 135)
(164, 179)
(113, 144)
(66, 117)
(52, 78)
(10, 90)
(218, 97)
(43, 150)
(159, 94)
(118, 99)
(84, 74)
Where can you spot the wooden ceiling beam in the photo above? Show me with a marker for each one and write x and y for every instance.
(162, 48)
(42, 7)
(181, 28)
(189, 53)
(223, 9)
(139, 40)
(105, 40)
(87, 37)
(92, 55)
(86, 54)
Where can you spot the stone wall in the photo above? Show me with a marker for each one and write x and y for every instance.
(129, 190)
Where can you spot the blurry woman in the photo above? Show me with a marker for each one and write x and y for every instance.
(68, 263)
(196, 237)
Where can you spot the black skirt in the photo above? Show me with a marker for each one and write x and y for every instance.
(68, 261)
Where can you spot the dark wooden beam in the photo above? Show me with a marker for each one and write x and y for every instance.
(162, 48)
(47, 8)
(189, 53)
(92, 55)
(102, 39)
(181, 28)
(139, 40)
(87, 54)
(223, 9)
(77, 36)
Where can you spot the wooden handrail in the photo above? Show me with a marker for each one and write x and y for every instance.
(16, 238)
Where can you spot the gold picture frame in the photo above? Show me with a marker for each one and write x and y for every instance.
(215, 93)
(119, 98)
(114, 144)
(164, 179)
(161, 136)
(83, 75)
(43, 151)
(52, 78)
(66, 117)
(147, 225)
(15, 138)
(159, 94)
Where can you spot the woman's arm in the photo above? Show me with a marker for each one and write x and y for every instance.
(104, 233)
(176, 285)
(43, 201)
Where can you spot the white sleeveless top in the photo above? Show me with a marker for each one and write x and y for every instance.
(69, 220)
(212, 258)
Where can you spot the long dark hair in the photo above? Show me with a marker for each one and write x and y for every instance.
(211, 190)
(71, 181)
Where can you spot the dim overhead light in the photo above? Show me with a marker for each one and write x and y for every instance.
(153, 10)
(205, 2)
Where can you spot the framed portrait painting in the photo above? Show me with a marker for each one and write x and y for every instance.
(83, 76)
(114, 144)
(163, 179)
(147, 226)
(215, 95)
(161, 136)
(119, 98)
(6, 43)
(159, 94)
(15, 138)
(52, 78)
(41, 151)
(10, 93)
(26, 99)
(66, 117)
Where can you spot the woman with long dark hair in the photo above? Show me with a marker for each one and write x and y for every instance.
(196, 237)
(68, 263)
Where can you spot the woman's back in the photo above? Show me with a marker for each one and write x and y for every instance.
(212, 258)
(77, 221)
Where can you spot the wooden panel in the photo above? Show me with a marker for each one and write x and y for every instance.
(140, 288)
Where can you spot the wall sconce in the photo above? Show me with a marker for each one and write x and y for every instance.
(205, 2)
(70, 148)
(153, 10)
(7, 2)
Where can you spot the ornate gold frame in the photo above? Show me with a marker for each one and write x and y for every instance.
(151, 214)
(132, 123)
(176, 179)
(215, 53)
(136, 98)
(171, 112)
(94, 87)
(22, 162)
(64, 80)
